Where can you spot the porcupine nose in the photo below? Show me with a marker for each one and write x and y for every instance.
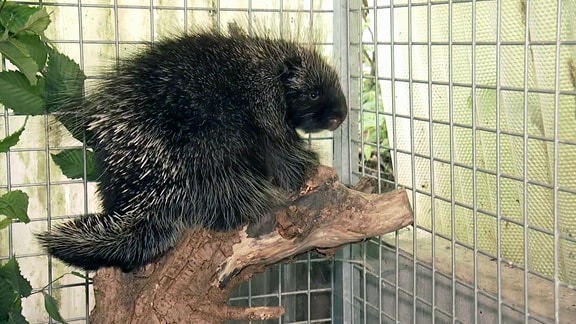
(333, 123)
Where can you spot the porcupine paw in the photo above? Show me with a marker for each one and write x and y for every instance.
(291, 171)
(263, 225)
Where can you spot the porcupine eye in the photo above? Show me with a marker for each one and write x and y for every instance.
(314, 95)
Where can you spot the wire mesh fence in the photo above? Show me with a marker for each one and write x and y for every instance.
(471, 104)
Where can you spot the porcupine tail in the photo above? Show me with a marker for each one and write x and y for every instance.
(99, 240)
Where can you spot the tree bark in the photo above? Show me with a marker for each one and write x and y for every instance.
(192, 282)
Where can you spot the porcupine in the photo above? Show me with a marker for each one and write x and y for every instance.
(197, 130)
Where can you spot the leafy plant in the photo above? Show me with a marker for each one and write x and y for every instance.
(373, 130)
(14, 287)
(43, 81)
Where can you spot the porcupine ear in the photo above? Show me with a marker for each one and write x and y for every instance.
(289, 68)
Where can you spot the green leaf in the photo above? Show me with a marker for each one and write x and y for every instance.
(51, 307)
(10, 273)
(11, 140)
(17, 93)
(372, 133)
(18, 53)
(18, 18)
(37, 22)
(7, 298)
(369, 105)
(14, 205)
(16, 317)
(64, 82)
(37, 48)
(64, 91)
(71, 162)
(5, 222)
(41, 86)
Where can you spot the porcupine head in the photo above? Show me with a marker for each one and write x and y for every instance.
(187, 135)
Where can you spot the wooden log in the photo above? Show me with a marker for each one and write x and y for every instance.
(192, 283)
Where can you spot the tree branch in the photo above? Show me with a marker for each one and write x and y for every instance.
(193, 282)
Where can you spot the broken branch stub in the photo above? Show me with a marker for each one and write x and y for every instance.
(326, 215)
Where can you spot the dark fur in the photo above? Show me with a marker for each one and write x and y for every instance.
(197, 131)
